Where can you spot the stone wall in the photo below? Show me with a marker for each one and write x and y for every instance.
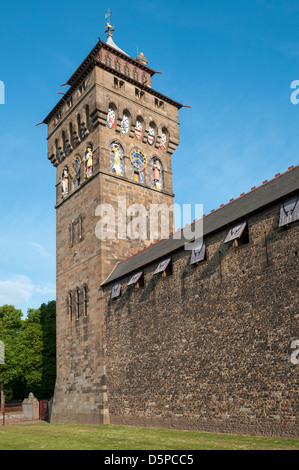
(208, 347)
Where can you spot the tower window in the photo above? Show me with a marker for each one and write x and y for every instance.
(118, 83)
(139, 93)
(70, 307)
(77, 304)
(158, 103)
(108, 60)
(117, 65)
(135, 75)
(144, 79)
(85, 299)
(127, 70)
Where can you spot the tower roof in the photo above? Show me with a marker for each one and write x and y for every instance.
(110, 30)
(93, 60)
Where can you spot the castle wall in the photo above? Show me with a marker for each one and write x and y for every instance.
(208, 348)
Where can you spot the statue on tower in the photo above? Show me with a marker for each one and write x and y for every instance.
(65, 183)
(89, 161)
(116, 160)
(157, 174)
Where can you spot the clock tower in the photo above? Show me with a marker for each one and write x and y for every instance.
(111, 138)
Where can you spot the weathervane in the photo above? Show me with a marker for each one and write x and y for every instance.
(109, 29)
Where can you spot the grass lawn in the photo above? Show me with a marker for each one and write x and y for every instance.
(45, 436)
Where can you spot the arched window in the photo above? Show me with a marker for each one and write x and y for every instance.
(156, 173)
(66, 144)
(58, 151)
(89, 121)
(116, 159)
(144, 79)
(135, 75)
(108, 60)
(117, 65)
(74, 137)
(127, 70)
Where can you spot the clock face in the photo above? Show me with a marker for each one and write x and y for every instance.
(138, 160)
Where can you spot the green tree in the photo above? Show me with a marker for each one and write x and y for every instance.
(30, 351)
(10, 335)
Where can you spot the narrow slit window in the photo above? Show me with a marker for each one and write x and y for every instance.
(198, 254)
(238, 235)
(78, 303)
(289, 212)
(70, 307)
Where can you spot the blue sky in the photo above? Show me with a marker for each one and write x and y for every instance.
(232, 61)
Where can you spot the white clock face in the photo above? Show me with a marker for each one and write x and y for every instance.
(125, 125)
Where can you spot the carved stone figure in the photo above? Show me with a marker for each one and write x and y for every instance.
(65, 182)
(89, 162)
(117, 155)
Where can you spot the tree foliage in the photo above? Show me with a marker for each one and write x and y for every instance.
(30, 351)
